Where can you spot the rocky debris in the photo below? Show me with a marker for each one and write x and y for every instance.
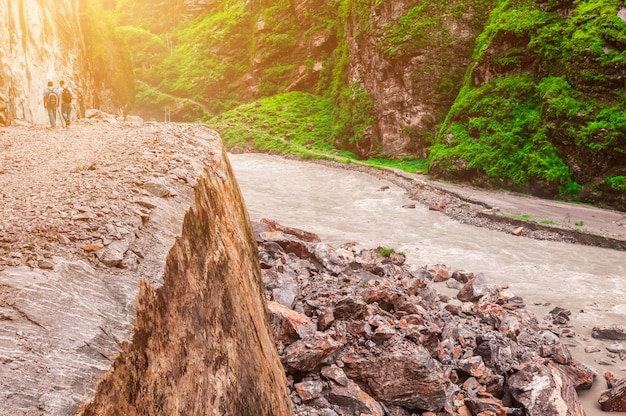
(614, 332)
(99, 187)
(614, 399)
(374, 334)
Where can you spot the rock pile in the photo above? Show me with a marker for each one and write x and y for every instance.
(361, 332)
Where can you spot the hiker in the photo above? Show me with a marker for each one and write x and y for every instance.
(66, 102)
(51, 103)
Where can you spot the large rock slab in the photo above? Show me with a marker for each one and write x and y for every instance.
(202, 341)
(60, 329)
(603, 331)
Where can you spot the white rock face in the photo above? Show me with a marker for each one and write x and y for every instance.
(40, 41)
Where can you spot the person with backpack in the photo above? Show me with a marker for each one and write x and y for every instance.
(66, 102)
(51, 102)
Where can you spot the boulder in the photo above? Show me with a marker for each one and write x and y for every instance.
(543, 389)
(310, 352)
(288, 325)
(605, 331)
(614, 399)
(475, 288)
(353, 401)
(404, 376)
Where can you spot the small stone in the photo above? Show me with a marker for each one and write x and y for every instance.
(46, 264)
(145, 203)
(438, 207)
(89, 248)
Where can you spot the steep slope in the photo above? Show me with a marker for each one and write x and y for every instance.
(405, 62)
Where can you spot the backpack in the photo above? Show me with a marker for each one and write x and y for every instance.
(52, 100)
(66, 95)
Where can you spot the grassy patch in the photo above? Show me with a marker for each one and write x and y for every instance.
(295, 123)
(387, 251)
(408, 164)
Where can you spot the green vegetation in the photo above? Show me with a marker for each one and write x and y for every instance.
(551, 108)
(617, 183)
(406, 164)
(296, 123)
(499, 131)
(112, 65)
(541, 107)
(386, 251)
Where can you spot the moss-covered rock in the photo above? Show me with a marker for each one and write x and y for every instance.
(543, 109)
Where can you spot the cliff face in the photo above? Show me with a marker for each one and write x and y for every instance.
(40, 41)
(410, 58)
(201, 342)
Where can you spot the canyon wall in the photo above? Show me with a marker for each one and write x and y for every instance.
(40, 41)
(201, 343)
(410, 58)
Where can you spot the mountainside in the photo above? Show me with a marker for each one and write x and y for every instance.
(521, 95)
(543, 108)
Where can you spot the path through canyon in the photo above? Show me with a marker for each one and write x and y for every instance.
(347, 206)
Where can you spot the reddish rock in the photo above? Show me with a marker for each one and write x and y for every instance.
(308, 353)
(352, 400)
(438, 207)
(335, 374)
(307, 236)
(440, 272)
(288, 325)
(518, 231)
(544, 390)
(309, 390)
(90, 248)
(614, 399)
(407, 376)
(476, 288)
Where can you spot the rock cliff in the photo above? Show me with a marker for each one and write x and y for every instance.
(201, 342)
(410, 58)
(40, 41)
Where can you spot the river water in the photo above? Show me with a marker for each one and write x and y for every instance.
(347, 206)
